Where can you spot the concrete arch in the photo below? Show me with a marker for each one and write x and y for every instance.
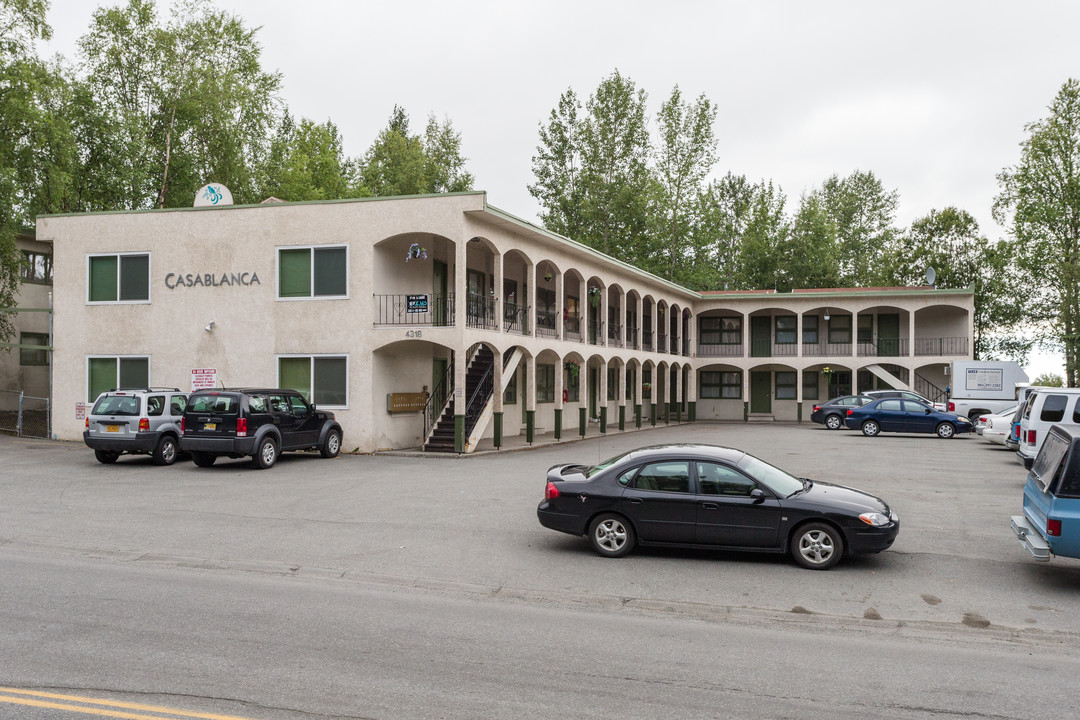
(400, 269)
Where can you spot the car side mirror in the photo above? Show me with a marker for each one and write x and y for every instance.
(758, 494)
(928, 410)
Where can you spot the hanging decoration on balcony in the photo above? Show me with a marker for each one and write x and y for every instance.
(573, 368)
(416, 252)
(594, 296)
(827, 372)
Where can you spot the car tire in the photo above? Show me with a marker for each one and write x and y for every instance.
(945, 430)
(817, 546)
(870, 428)
(611, 535)
(266, 454)
(106, 457)
(833, 422)
(331, 445)
(203, 459)
(166, 450)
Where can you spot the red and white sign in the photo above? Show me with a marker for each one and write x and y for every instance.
(203, 378)
(80, 411)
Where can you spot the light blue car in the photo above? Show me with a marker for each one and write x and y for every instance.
(1050, 524)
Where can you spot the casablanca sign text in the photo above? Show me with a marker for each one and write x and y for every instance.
(175, 280)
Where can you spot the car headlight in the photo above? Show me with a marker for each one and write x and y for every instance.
(875, 519)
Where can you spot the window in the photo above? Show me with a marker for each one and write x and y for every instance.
(891, 405)
(786, 330)
(665, 476)
(785, 385)
(631, 382)
(709, 331)
(322, 379)
(810, 329)
(810, 385)
(545, 383)
(716, 479)
(177, 403)
(709, 384)
(646, 383)
(34, 357)
(105, 373)
(37, 268)
(731, 385)
(311, 272)
(731, 331)
(866, 328)
(155, 405)
(118, 278)
(573, 385)
(1053, 409)
(511, 393)
(840, 329)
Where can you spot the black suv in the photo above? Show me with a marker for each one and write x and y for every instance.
(256, 422)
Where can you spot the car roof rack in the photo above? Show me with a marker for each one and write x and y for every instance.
(144, 388)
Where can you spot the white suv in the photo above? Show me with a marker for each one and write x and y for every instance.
(140, 421)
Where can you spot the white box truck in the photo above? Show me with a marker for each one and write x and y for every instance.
(979, 388)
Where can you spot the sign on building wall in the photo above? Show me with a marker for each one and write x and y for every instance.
(213, 195)
(203, 378)
(80, 411)
(984, 379)
(416, 303)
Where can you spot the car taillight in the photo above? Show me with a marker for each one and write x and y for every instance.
(241, 427)
(952, 406)
(183, 422)
(816, 408)
(551, 492)
(144, 424)
(87, 423)
(1053, 527)
(850, 412)
(1030, 437)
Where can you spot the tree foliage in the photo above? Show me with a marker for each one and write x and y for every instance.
(1039, 201)
(307, 162)
(400, 163)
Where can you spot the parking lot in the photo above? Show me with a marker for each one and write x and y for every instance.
(468, 525)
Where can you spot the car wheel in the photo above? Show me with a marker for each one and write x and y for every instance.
(817, 546)
(203, 459)
(833, 422)
(870, 428)
(332, 445)
(106, 457)
(945, 430)
(611, 535)
(266, 454)
(165, 452)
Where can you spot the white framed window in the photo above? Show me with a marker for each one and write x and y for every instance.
(322, 379)
(306, 272)
(113, 278)
(106, 372)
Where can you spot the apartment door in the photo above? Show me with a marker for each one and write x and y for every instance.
(761, 391)
(761, 336)
(440, 308)
(888, 335)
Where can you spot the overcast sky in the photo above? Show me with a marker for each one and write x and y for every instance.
(930, 96)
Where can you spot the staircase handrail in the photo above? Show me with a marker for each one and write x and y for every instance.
(446, 384)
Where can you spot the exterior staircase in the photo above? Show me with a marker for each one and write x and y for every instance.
(441, 438)
(892, 380)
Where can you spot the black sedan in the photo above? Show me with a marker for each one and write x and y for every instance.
(831, 414)
(712, 497)
(906, 416)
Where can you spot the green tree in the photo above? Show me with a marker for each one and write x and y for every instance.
(812, 255)
(1040, 204)
(725, 212)
(557, 168)
(306, 162)
(863, 214)
(1049, 380)
(399, 163)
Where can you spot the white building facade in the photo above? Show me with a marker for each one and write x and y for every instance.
(438, 321)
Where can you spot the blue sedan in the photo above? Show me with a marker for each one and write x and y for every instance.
(907, 416)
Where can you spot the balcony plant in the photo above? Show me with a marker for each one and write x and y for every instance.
(416, 252)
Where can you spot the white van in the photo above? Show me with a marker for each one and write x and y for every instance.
(1045, 407)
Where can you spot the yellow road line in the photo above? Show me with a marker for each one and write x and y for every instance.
(107, 703)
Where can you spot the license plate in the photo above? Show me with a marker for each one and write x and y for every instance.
(210, 426)
(112, 428)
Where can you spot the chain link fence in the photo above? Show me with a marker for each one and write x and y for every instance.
(24, 415)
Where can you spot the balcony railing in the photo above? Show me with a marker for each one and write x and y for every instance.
(889, 347)
(480, 312)
(596, 331)
(415, 309)
(545, 325)
(572, 326)
(711, 350)
(614, 335)
(632, 338)
(825, 349)
(661, 342)
(515, 318)
(673, 346)
(647, 340)
(686, 347)
(941, 346)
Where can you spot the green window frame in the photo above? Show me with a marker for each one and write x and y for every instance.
(866, 329)
(545, 383)
(710, 330)
(710, 384)
(28, 356)
(731, 330)
(786, 329)
(105, 372)
(118, 278)
(839, 329)
(308, 272)
(731, 385)
(810, 385)
(810, 329)
(786, 385)
(323, 380)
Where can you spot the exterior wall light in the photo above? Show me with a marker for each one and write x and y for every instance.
(210, 327)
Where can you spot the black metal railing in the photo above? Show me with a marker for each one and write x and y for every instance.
(884, 347)
(596, 331)
(614, 335)
(720, 350)
(929, 390)
(661, 342)
(632, 338)
(647, 340)
(674, 345)
(436, 402)
(821, 349)
(515, 318)
(686, 347)
(415, 309)
(479, 398)
(480, 312)
(546, 324)
(572, 325)
(941, 346)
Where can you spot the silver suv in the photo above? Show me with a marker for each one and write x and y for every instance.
(140, 421)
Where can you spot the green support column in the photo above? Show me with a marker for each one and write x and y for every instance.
(603, 419)
(558, 424)
(459, 433)
(692, 412)
(800, 412)
(637, 416)
(745, 411)
(678, 412)
(498, 429)
(667, 413)
(622, 418)
(530, 426)
(652, 414)
(581, 421)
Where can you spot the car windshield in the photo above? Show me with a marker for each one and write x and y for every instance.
(116, 405)
(601, 467)
(213, 403)
(774, 478)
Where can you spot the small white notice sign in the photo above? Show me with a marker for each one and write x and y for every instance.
(80, 411)
(203, 378)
